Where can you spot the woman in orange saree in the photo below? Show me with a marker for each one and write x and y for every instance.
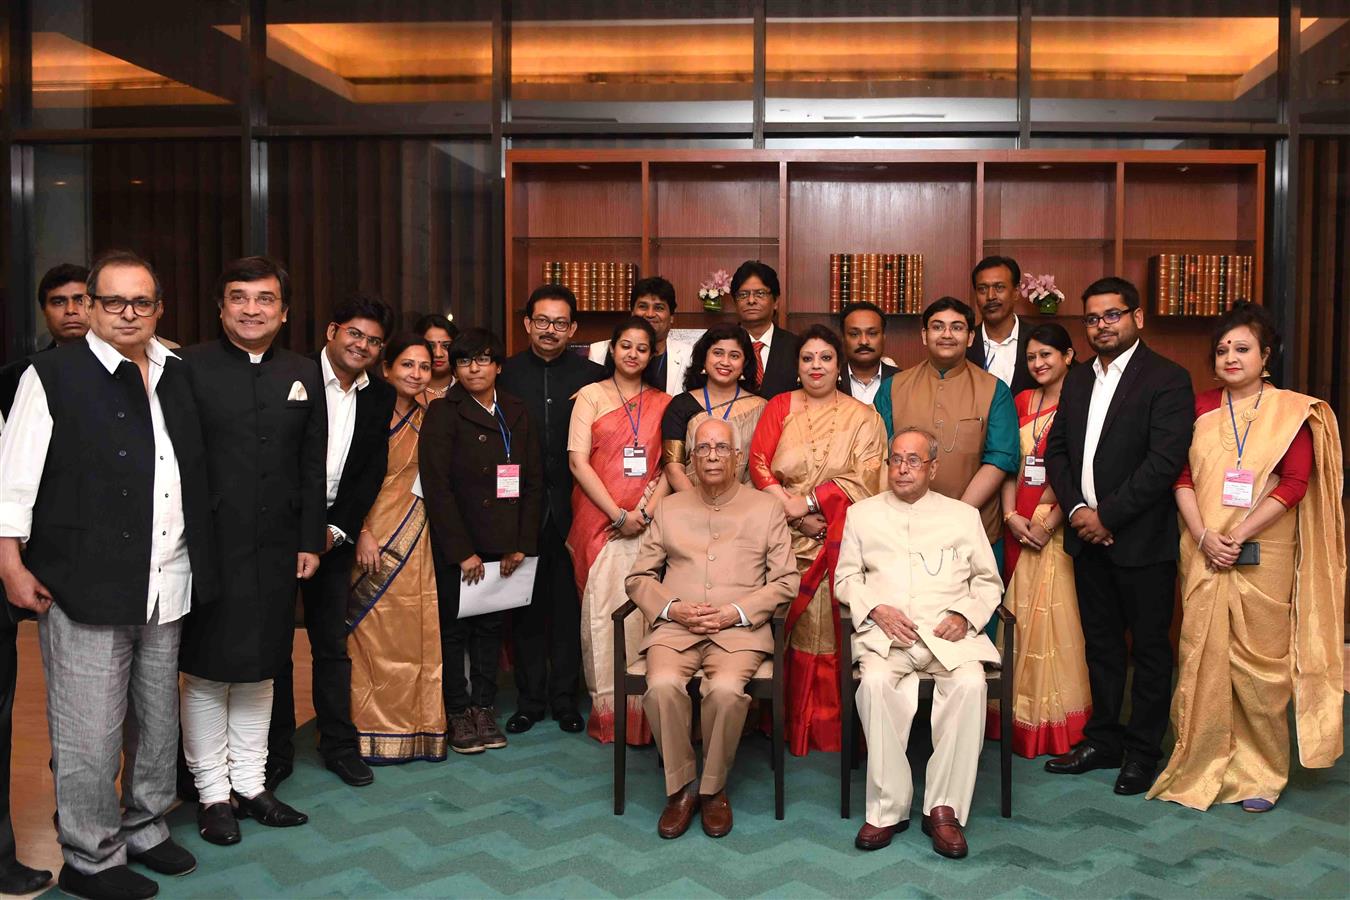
(614, 451)
(819, 451)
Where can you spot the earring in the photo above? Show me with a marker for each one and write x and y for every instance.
(1265, 373)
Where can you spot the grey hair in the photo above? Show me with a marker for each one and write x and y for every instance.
(735, 435)
(924, 433)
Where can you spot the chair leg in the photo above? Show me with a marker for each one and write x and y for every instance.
(620, 745)
(1005, 748)
(846, 732)
(776, 752)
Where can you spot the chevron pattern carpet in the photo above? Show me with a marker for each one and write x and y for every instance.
(536, 820)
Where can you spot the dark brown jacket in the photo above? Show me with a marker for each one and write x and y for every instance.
(458, 453)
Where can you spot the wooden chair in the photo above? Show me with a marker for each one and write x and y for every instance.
(999, 680)
(630, 679)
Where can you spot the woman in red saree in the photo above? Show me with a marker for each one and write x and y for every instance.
(614, 451)
(819, 451)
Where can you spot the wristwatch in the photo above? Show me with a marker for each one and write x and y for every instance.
(338, 537)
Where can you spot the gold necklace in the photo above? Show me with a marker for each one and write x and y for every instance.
(812, 428)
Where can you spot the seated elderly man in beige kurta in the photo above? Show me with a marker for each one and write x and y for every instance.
(920, 581)
(712, 568)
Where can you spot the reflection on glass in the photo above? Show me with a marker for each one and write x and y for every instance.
(1325, 67)
(960, 66)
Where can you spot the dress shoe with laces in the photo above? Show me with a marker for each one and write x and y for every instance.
(679, 812)
(570, 721)
(1083, 758)
(521, 722)
(485, 722)
(464, 733)
(942, 826)
(16, 878)
(874, 837)
(217, 825)
(716, 810)
(352, 769)
(166, 858)
(116, 883)
(268, 810)
(1135, 778)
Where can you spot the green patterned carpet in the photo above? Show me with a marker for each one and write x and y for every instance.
(536, 820)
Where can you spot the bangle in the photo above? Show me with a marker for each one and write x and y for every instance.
(1202, 537)
(1008, 516)
(812, 504)
(646, 518)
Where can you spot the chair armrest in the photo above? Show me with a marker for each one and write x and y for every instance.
(1009, 621)
(624, 611)
(778, 625)
(1005, 615)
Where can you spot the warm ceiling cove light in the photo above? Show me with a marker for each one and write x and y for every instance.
(59, 183)
(879, 168)
(1045, 166)
(718, 165)
(137, 181)
(583, 166)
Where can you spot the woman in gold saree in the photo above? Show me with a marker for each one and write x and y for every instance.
(1262, 621)
(819, 451)
(393, 631)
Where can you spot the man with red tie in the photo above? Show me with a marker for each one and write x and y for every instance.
(755, 289)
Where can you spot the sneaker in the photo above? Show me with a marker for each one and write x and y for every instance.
(485, 719)
(464, 733)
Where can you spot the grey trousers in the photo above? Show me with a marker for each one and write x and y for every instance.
(93, 671)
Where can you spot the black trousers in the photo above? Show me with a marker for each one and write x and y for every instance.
(9, 671)
(325, 601)
(480, 635)
(546, 634)
(1112, 600)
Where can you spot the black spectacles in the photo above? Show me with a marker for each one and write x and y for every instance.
(544, 323)
(483, 360)
(357, 334)
(141, 306)
(1110, 317)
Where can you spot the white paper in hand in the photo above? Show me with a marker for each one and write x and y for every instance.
(494, 593)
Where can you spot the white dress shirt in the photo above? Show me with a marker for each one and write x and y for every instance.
(864, 391)
(678, 356)
(23, 456)
(1103, 389)
(1000, 357)
(767, 340)
(341, 427)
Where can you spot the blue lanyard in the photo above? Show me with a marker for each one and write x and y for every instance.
(1036, 438)
(631, 424)
(501, 426)
(1242, 441)
(707, 402)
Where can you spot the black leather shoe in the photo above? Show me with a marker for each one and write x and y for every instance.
(1135, 778)
(166, 858)
(1083, 758)
(351, 769)
(217, 825)
(117, 883)
(275, 775)
(17, 878)
(571, 721)
(522, 722)
(187, 789)
(268, 810)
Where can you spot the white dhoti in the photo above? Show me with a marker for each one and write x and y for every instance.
(888, 696)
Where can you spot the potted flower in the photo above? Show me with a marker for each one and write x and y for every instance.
(1041, 292)
(714, 289)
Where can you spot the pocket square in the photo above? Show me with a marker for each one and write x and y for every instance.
(297, 392)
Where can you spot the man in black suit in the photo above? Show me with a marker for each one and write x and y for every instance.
(359, 412)
(1000, 346)
(63, 297)
(1120, 439)
(863, 327)
(755, 289)
(265, 421)
(547, 633)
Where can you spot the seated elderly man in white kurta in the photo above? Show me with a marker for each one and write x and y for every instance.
(919, 578)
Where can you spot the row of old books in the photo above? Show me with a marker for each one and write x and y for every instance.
(893, 281)
(599, 286)
(1198, 284)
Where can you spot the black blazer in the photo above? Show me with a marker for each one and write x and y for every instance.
(1022, 380)
(1144, 443)
(458, 452)
(363, 472)
(846, 383)
(780, 372)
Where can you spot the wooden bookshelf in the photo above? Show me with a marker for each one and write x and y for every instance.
(1076, 214)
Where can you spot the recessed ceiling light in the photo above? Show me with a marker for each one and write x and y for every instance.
(1044, 166)
(1330, 82)
(879, 168)
(1183, 169)
(59, 183)
(137, 181)
(583, 166)
(718, 166)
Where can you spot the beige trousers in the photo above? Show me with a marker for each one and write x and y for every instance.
(888, 695)
(722, 710)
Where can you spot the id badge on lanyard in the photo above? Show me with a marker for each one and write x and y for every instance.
(1033, 470)
(1238, 486)
(508, 482)
(634, 462)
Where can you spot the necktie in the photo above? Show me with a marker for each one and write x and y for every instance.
(758, 346)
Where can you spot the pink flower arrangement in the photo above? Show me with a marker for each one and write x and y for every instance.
(714, 289)
(1041, 292)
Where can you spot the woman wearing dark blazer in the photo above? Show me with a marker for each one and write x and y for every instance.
(482, 482)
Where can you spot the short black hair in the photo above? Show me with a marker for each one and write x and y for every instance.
(473, 342)
(696, 376)
(654, 286)
(993, 262)
(116, 258)
(254, 268)
(428, 321)
(397, 345)
(753, 268)
(360, 305)
(551, 292)
(826, 334)
(942, 304)
(58, 275)
(859, 306)
(1113, 284)
(1254, 317)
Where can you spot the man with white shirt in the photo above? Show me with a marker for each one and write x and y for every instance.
(1000, 346)
(920, 581)
(1120, 439)
(118, 549)
(264, 418)
(653, 300)
(359, 412)
(756, 291)
(863, 328)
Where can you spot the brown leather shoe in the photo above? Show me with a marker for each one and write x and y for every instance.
(948, 840)
(679, 812)
(716, 814)
(874, 837)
